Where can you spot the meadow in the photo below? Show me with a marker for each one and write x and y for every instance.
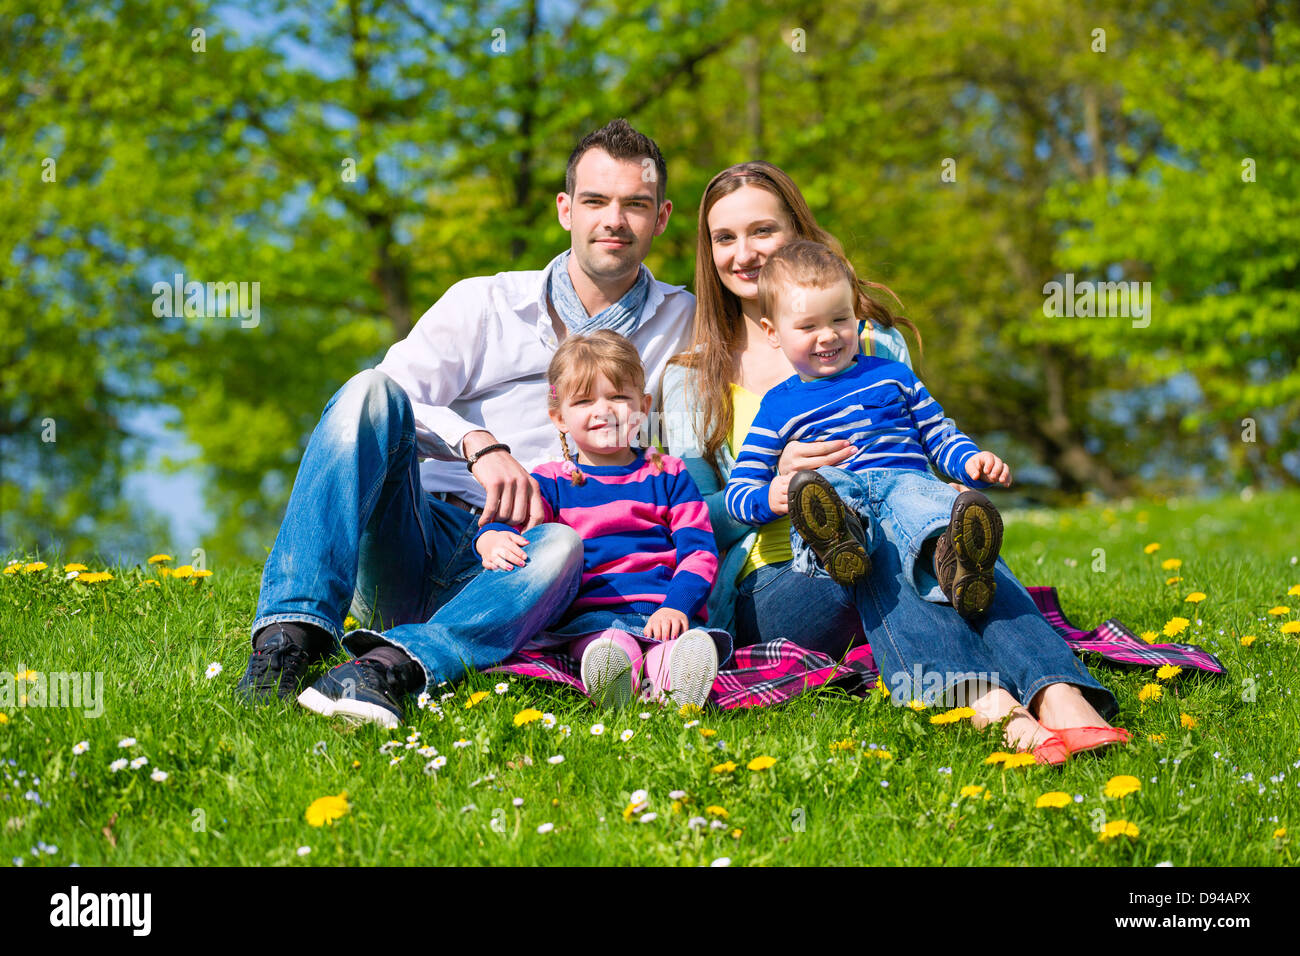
(518, 772)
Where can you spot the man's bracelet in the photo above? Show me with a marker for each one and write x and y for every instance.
(473, 459)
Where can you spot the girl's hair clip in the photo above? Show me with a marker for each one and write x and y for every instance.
(553, 395)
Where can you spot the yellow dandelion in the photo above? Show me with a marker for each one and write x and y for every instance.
(882, 754)
(1018, 760)
(200, 574)
(34, 567)
(1279, 610)
(94, 577)
(1176, 626)
(1187, 720)
(971, 790)
(1156, 738)
(1248, 640)
(1279, 833)
(1122, 786)
(1293, 590)
(356, 764)
(164, 571)
(915, 704)
(527, 716)
(952, 716)
(1118, 828)
(632, 809)
(350, 623)
(761, 763)
(1171, 564)
(1172, 580)
(706, 732)
(1148, 636)
(184, 571)
(716, 811)
(13, 568)
(1150, 692)
(1168, 672)
(1152, 548)
(75, 567)
(735, 834)
(727, 767)
(325, 810)
(4, 718)
(1291, 627)
(475, 697)
(159, 558)
(840, 745)
(1055, 800)
(151, 582)
(1196, 597)
(689, 710)
(881, 688)
(677, 806)
(997, 757)
(27, 675)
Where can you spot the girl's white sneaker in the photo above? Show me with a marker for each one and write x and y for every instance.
(607, 673)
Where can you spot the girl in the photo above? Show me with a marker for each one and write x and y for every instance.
(649, 559)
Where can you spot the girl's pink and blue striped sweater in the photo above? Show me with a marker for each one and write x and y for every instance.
(647, 541)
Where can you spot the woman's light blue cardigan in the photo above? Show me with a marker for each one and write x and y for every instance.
(678, 406)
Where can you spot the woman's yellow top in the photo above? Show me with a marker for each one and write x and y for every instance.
(772, 546)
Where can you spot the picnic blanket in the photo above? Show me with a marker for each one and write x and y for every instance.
(775, 671)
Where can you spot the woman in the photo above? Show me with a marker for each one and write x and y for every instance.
(710, 396)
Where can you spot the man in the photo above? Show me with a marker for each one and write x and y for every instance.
(368, 526)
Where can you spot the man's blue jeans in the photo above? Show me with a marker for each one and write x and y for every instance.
(361, 534)
(907, 507)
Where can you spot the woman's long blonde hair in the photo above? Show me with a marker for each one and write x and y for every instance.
(719, 320)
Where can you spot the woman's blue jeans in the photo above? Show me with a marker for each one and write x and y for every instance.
(360, 533)
(923, 650)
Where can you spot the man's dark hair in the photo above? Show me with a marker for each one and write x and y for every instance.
(620, 141)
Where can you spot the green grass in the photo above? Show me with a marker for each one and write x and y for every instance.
(240, 780)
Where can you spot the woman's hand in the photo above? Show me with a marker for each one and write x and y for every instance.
(778, 494)
(501, 550)
(807, 455)
(666, 624)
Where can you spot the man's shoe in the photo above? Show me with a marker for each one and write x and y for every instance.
(361, 691)
(607, 673)
(966, 553)
(275, 668)
(833, 531)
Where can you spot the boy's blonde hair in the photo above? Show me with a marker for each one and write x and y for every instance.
(802, 262)
(574, 369)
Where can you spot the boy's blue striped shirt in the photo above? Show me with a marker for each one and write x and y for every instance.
(876, 404)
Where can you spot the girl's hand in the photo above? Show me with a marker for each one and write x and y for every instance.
(987, 466)
(501, 550)
(806, 455)
(665, 624)
(778, 494)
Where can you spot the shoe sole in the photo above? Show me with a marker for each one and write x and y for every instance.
(351, 710)
(975, 531)
(607, 675)
(818, 514)
(692, 669)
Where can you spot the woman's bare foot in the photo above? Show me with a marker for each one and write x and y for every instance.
(1062, 706)
(1021, 732)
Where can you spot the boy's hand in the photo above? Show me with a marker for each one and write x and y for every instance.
(666, 624)
(778, 494)
(987, 466)
(810, 455)
(501, 550)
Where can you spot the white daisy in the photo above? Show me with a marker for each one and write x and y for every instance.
(518, 801)
(676, 794)
(396, 760)
(692, 723)
(438, 762)
(70, 575)
(158, 776)
(460, 744)
(696, 822)
(564, 730)
(502, 688)
(413, 737)
(558, 758)
(640, 796)
(644, 715)
(117, 765)
(130, 742)
(427, 752)
(721, 861)
(717, 825)
(139, 762)
(597, 729)
(81, 747)
(304, 850)
(548, 721)
(448, 695)
(626, 735)
(545, 827)
(423, 700)
(649, 817)
(213, 670)
(390, 746)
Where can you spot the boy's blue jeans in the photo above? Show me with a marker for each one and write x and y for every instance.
(907, 507)
(360, 533)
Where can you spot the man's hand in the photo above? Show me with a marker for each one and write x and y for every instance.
(666, 624)
(501, 550)
(512, 494)
(778, 494)
(987, 466)
(807, 455)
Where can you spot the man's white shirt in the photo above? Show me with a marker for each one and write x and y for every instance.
(477, 360)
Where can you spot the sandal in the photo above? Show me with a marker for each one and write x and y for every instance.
(1079, 739)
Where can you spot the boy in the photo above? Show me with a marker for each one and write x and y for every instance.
(947, 542)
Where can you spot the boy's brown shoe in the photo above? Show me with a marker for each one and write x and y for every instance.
(828, 527)
(966, 553)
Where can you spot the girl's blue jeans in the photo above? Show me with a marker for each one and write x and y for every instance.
(361, 534)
